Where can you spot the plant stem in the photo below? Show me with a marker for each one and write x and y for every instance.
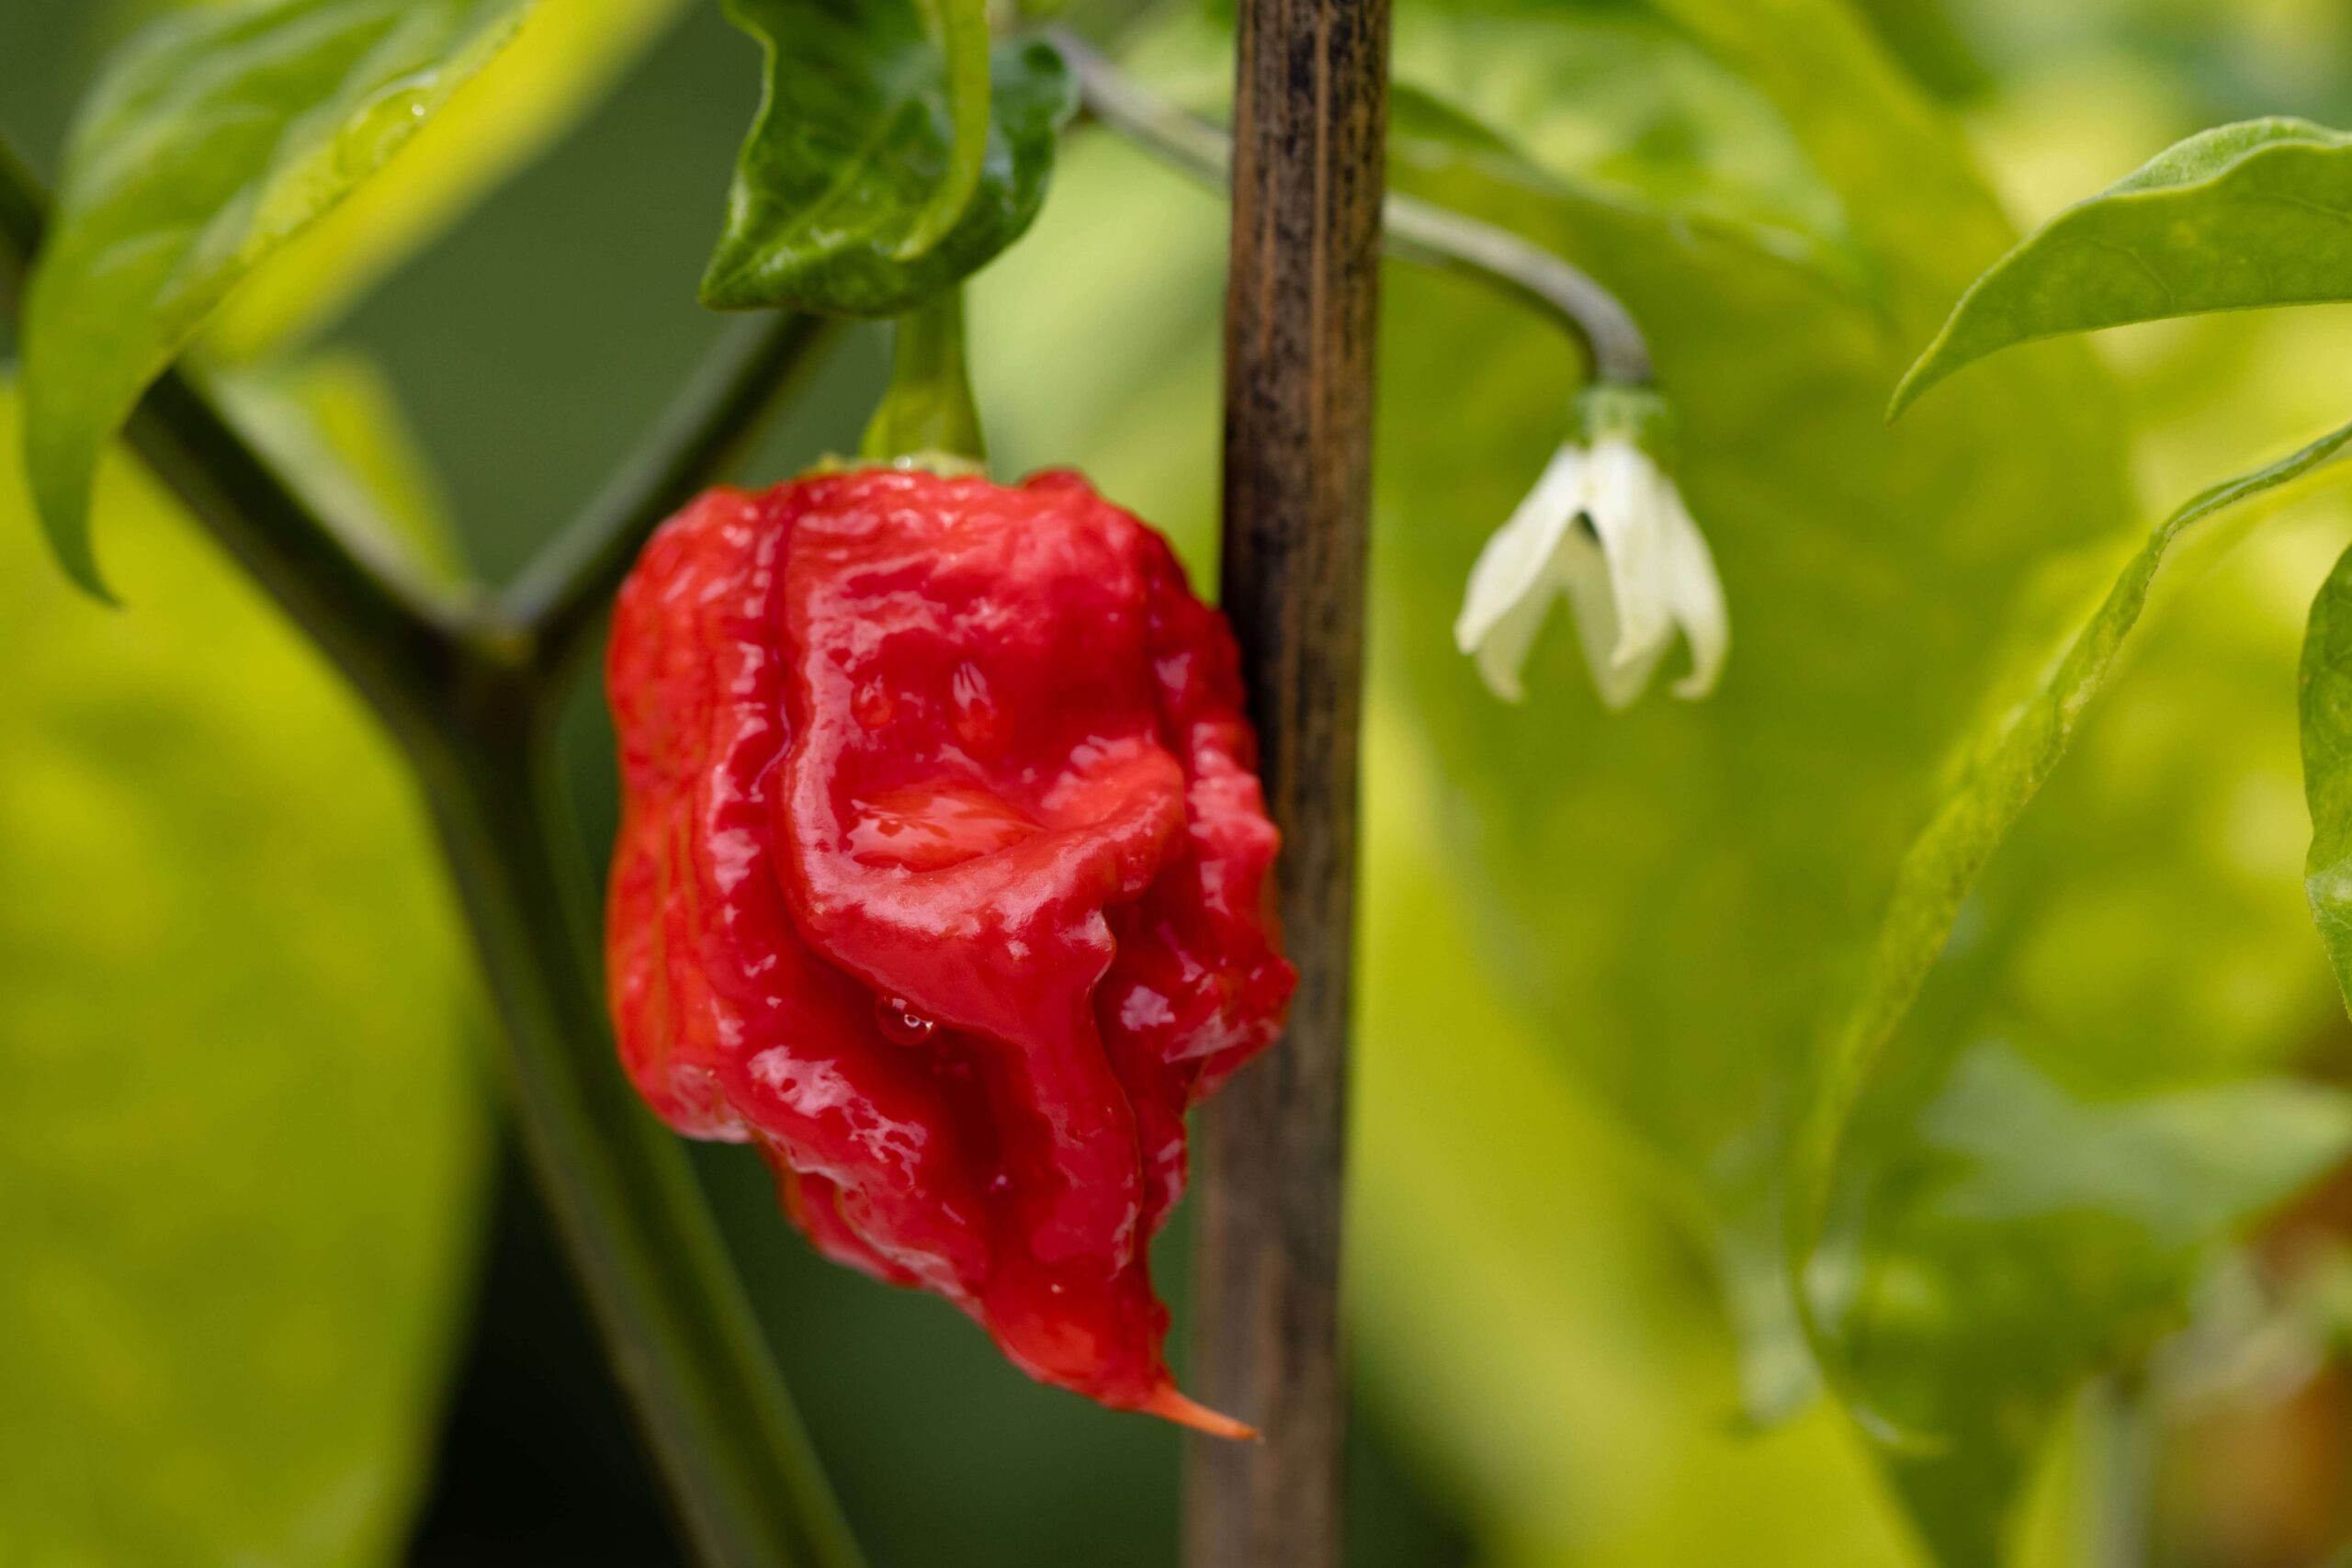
(928, 406)
(684, 1343)
(2121, 1482)
(1411, 230)
(397, 647)
(473, 698)
(562, 596)
(1301, 318)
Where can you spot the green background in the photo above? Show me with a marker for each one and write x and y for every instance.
(1545, 1375)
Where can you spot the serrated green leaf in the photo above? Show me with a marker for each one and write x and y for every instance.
(212, 139)
(894, 155)
(2234, 218)
(243, 1135)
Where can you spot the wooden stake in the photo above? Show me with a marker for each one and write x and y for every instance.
(1310, 124)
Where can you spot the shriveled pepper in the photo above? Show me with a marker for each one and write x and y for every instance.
(943, 879)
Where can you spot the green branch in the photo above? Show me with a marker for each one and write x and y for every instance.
(682, 1336)
(561, 597)
(472, 689)
(1411, 231)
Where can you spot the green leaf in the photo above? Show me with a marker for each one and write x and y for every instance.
(1957, 1460)
(554, 73)
(2327, 704)
(2011, 763)
(893, 155)
(2025, 1238)
(243, 1135)
(1923, 35)
(210, 142)
(2234, 218)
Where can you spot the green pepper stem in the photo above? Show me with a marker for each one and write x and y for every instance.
(1415, 231)
(470, 688)
(927, 410)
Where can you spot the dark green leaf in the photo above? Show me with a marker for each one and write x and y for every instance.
(893, 155)
(1924, 36)
(214, 138)
(2234, 218)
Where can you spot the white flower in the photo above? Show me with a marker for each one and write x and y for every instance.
(1606, 528)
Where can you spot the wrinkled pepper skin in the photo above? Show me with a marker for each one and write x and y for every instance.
(943, 879)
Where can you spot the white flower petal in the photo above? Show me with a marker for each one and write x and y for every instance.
(1697, 597)
(1503, 652)
(1515, 566)
(1626, 510)
(1606, 528)
(1584, 577)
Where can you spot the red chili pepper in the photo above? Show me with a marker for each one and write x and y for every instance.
(943, 879)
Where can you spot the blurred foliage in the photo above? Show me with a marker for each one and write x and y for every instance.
(1602, 955)
(1927, 40)
(243, 1128)
(1701, 876)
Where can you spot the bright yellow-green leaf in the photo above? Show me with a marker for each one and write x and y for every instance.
(243, 1136)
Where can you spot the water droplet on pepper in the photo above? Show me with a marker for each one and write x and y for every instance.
(901, 1023)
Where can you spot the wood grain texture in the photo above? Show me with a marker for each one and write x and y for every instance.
(1310, 124)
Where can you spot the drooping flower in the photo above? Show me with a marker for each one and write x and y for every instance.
(1605, 529)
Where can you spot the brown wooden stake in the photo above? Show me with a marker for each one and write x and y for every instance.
(1310, 123)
